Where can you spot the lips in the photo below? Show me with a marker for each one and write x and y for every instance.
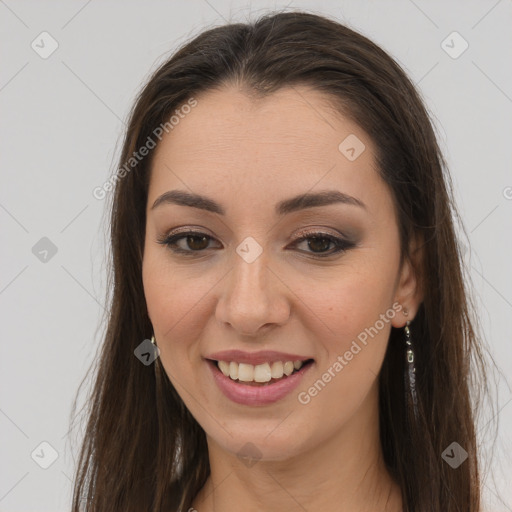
(255, 358)
(256, 394)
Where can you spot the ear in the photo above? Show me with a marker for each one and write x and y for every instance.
(409, 289)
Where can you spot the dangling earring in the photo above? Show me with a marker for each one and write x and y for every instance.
(410, 371)
(157, 352)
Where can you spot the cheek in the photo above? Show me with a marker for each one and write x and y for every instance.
(175, 302)
(352, 323)
(350, 302)
(350, 317)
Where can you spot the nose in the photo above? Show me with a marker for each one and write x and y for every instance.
(253, 298)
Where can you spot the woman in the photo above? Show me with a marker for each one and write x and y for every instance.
(282, 232)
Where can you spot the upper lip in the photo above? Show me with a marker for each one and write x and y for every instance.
(255, 358)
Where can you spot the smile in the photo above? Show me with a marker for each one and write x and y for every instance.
(261, 373)
(251, 392)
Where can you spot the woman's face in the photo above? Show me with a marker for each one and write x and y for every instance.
(252, 285)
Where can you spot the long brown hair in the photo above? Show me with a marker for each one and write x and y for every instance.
(142, 449)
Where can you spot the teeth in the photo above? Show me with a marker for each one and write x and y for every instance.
(224, 367)
(233, 370)
(245, 372)
(288, 368)
(277, 370)
(262, 373)
(259, 373)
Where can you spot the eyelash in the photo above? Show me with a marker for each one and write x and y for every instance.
(170, 241)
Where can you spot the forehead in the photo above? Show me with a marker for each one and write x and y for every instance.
(264, 148)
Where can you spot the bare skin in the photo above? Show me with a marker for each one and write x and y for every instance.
(248, 155)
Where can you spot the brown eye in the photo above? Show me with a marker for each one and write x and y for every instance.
(318, 244)
(194, 243)
(197, 243)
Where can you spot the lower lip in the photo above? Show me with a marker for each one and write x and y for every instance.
(256, 395)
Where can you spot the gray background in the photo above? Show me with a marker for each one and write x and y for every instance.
(61, 125)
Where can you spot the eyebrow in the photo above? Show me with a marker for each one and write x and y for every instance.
(300, 202)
